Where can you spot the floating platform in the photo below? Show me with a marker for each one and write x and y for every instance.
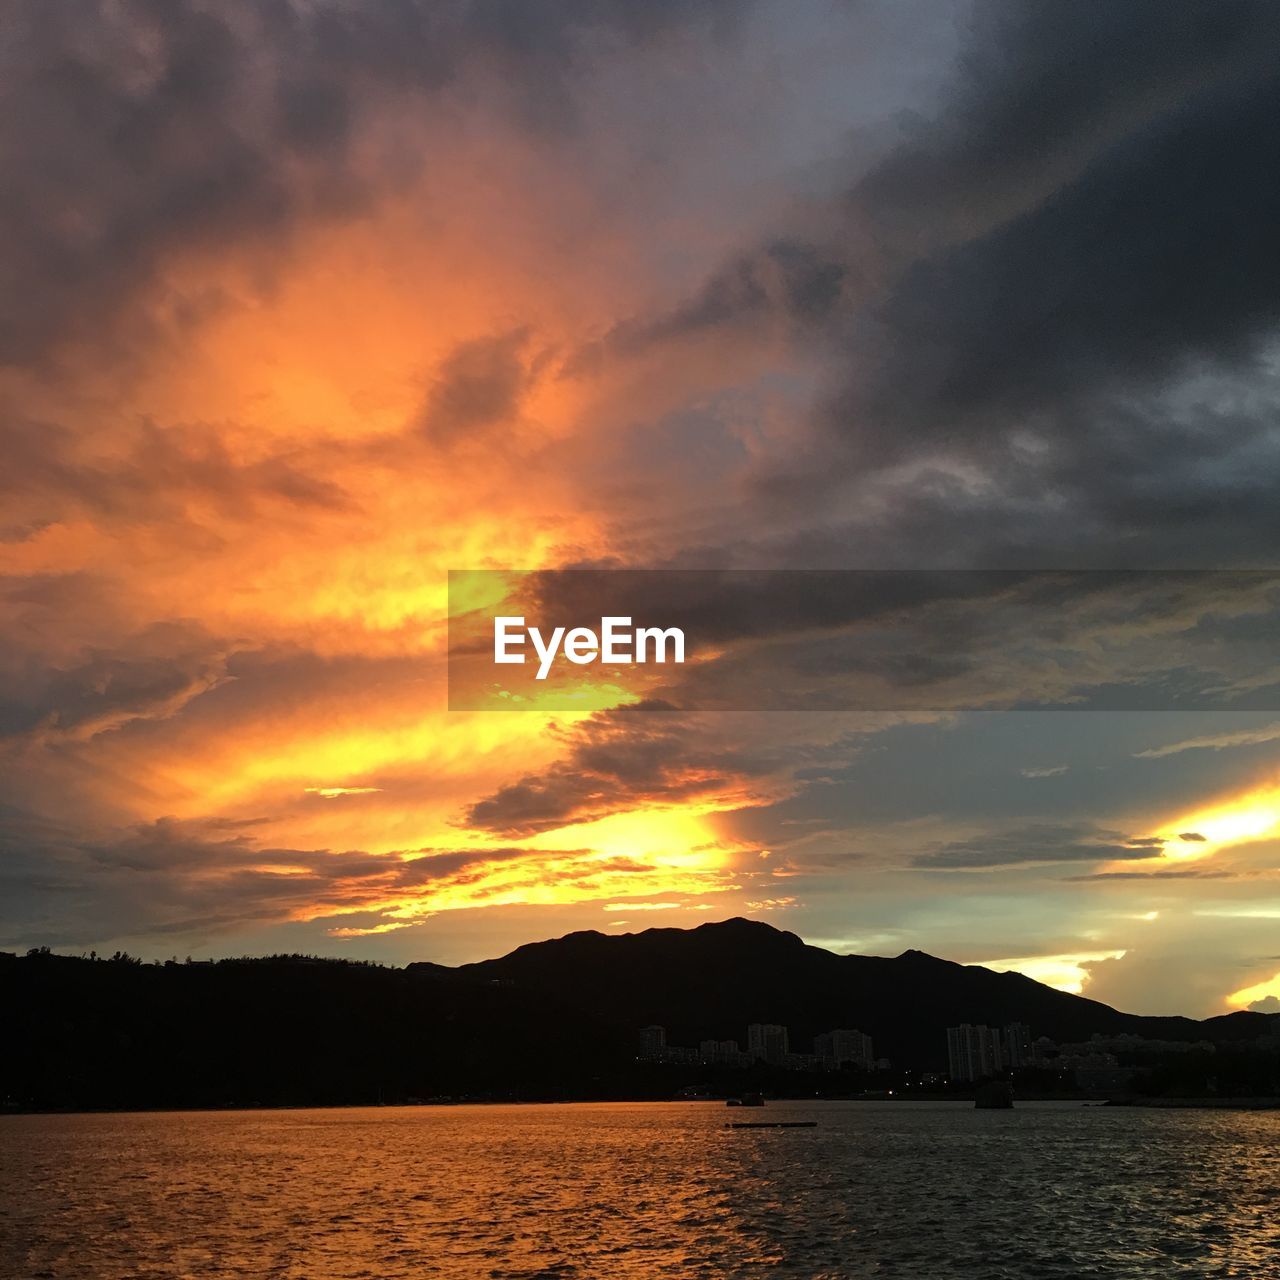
(772, 1124)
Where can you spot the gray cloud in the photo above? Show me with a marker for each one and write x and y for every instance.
(68, 887)
(928, 640)
(1040, 843)
(1140, 263)
(1215, 742)
(1092, 211)
(800, 280)
(1041, 87)
(614, 761)
(1060, 289)
(153, 675)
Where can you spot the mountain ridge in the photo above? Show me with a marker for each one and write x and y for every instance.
(711, 981)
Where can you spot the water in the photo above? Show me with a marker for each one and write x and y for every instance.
(913, 1190)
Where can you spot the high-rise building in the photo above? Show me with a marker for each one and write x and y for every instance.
(974, 1052)
(768, 1041)
(653, 1041)
(845, 1048)
(720, 1052)
(1017, 1046)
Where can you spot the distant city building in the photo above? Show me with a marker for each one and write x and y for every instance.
(845, 1048)
(720, 1052)
(1017, 1046)
(680, 1054)
(805, 1062)
(768, 1041)
(653, 1042)
(974, 1052)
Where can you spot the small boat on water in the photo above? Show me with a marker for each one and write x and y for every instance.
(747, 1100)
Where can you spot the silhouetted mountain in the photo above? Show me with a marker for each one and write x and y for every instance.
(551, 1019)
(711, 981)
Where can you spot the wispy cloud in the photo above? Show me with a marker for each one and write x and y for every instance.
(1215, 742)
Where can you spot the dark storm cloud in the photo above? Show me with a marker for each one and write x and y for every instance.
(133, 128)
(65, 887)
(1046, 843)
(737, 604)
(1162, 250)
(723, 605)
(1063, 282)
(1039, 88)
(1094, 205)
(480, 384)
(155, 675)
(616, 761)
(1094, 209)
(800, 280)
(867, 640)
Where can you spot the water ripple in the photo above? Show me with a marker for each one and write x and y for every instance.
(891, 1191)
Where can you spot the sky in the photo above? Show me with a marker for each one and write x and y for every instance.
(307, 302)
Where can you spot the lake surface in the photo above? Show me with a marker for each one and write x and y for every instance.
(914, 1190)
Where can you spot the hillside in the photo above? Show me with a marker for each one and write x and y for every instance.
(554, 1019)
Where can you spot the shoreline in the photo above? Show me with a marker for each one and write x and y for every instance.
(1197, 1104)
(1136, 1103)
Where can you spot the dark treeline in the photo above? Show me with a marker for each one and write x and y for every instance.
(555, 1019)
(287, 1030)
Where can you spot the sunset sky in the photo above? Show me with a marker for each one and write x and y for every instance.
(307, 302)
